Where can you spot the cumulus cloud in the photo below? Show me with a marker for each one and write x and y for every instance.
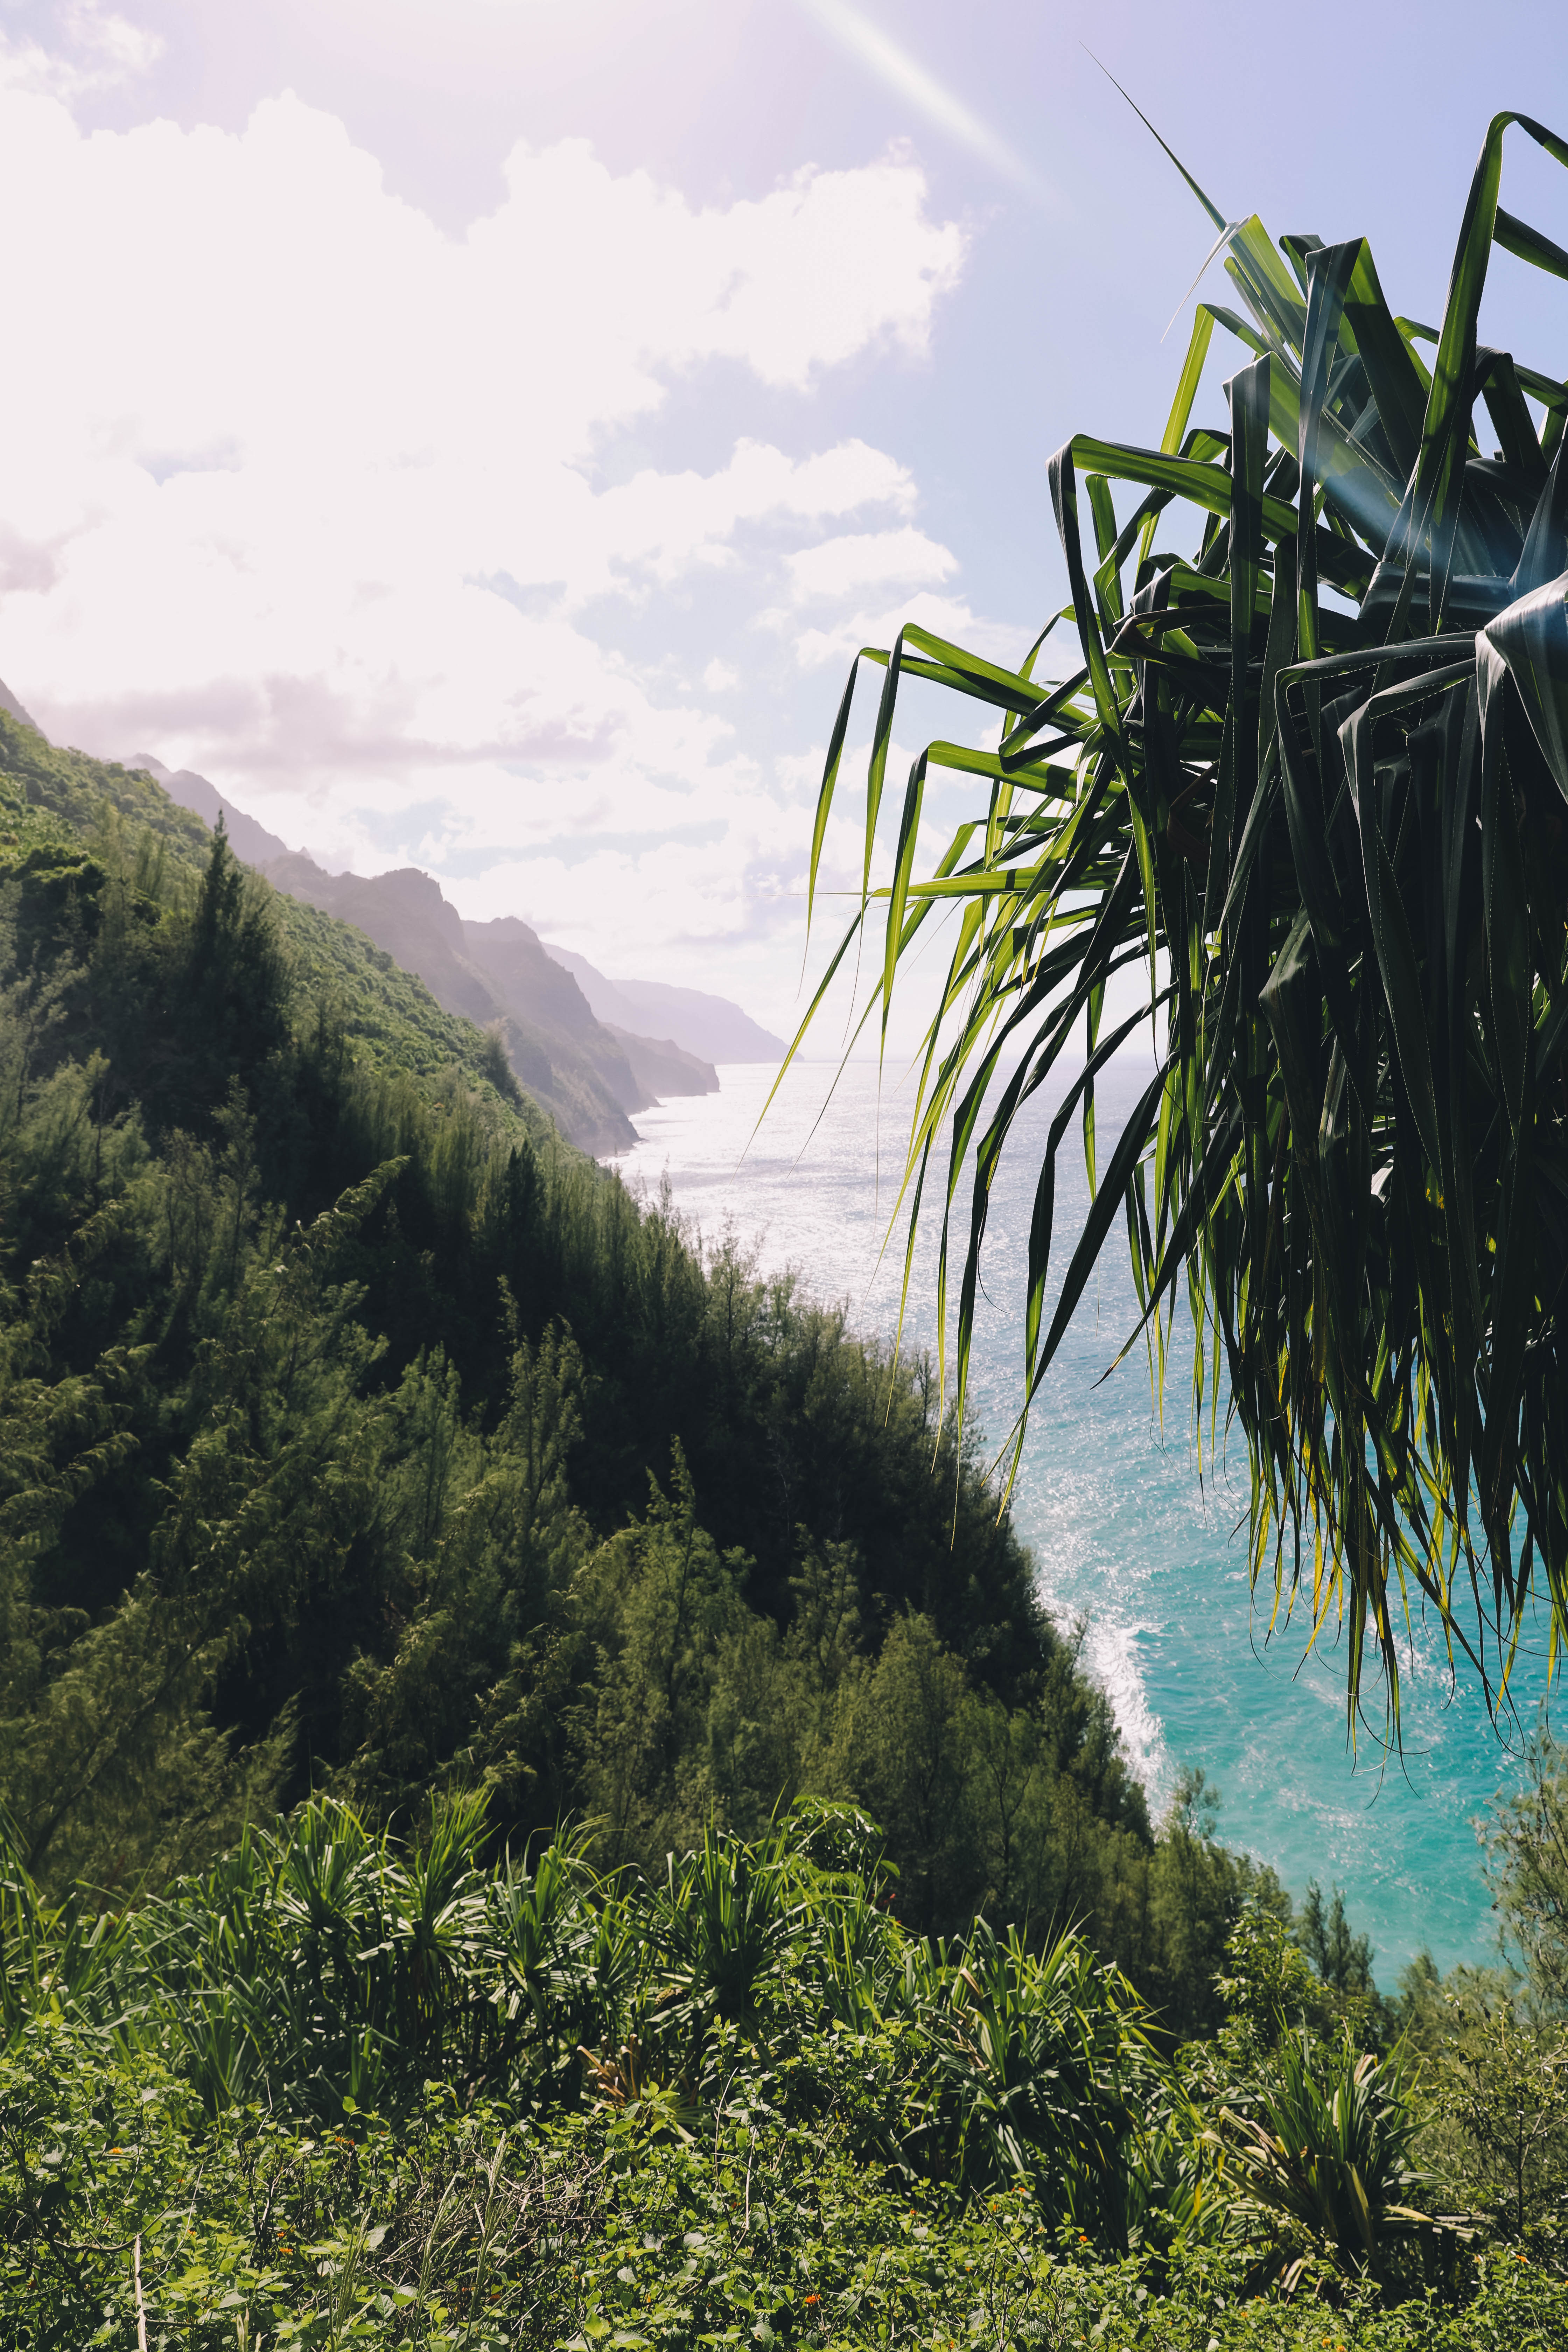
(658, 526)
(300, 491)
(858, 559)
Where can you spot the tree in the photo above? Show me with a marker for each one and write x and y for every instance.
(1309, 780)
(1341, 1958)
(1502, 2104)
(1527, 1868)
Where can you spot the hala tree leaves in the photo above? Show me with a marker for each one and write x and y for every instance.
(1331, 830)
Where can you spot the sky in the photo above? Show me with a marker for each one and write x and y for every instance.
(479, 435)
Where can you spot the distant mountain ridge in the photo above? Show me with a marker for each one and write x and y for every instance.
(643, 1013)
(710, 1025)
(590, 1071)
(497, 976)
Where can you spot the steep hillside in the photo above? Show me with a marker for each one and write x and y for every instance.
(356, 1432)
(636, 1071)
(661, 1067)
(9, 702)
(586, 1076)
(77, 828)
(590, 1078)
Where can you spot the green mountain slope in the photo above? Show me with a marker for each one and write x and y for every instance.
(588, 1077)
(560, 1055)
(330, 1387)
(97, 814)
(356, 1433)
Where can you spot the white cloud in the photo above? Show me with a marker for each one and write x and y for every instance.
(945, 616)
(97, 50)
(299, 492)
(658, 525)
(840, 567)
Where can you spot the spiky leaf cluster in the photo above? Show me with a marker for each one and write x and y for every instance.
(1309, 779)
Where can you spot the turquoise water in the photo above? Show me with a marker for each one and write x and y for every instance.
(1122, 1530)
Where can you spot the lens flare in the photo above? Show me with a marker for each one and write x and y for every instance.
(904, 75)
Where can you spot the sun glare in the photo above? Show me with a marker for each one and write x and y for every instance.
(905, 76)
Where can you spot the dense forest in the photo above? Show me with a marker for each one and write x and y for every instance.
(523, 1739)
(362, 1438)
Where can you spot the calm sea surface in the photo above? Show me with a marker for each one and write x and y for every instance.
(1124, 1532)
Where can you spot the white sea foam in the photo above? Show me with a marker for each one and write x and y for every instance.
(1113, 1660)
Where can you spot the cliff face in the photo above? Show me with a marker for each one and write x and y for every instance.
(638, 1070)
(498, 975)
(250, 842)
(521, 976)
(664, 1067)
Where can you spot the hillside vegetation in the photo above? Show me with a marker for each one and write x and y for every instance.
(588, 1077)
(540, 1802)
(375, 1440)
(335, 2090)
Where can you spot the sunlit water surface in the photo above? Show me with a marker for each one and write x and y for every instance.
(1122, 1530)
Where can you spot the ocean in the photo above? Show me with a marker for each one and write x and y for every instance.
(1125, 1533)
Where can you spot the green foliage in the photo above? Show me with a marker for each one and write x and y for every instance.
(357, 1438)
(726, 1918)
(332, 1390)
(1502, 2091)
(1527, 1863)
(1495, 2040)
(1341, 1958)
(742, 2105)
(77, 797)
(1330, 830)
(1328, 2149)
(374, 1578)
(104, 859)
(1269, 1991)
(1041, 2070)
(322, 1967)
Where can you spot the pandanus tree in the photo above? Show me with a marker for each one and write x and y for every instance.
(1307, 788)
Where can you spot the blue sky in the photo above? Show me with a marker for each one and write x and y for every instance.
(476, 435)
